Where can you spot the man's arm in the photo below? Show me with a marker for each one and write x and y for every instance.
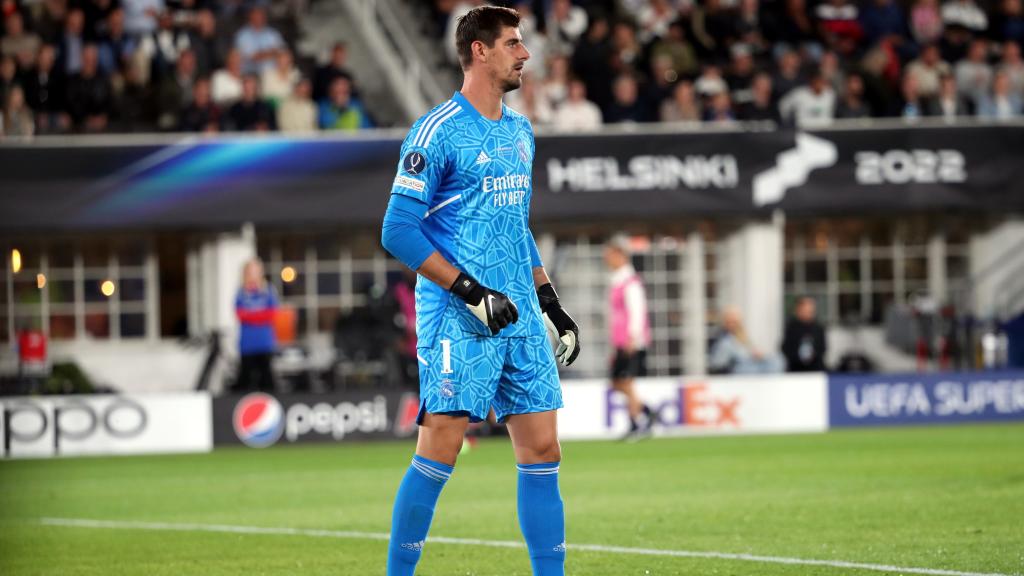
(402, 237)
(556, 319)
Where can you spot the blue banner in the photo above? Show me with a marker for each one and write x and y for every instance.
(895, 399)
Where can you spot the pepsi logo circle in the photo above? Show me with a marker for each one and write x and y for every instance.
(258, 420)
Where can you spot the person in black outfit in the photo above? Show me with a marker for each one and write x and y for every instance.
(251, 113)
(337, 68)
(804, 343)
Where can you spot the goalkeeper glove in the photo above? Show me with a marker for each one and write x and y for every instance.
(560, 324)
(491, 307)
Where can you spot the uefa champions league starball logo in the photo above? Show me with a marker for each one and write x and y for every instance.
(258, 420)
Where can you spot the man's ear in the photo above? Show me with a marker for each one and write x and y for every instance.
(478, 49)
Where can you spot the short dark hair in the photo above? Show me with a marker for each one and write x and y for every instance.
(482, 24)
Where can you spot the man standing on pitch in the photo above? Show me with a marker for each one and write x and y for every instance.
(459, 216)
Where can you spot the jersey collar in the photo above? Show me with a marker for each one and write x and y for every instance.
(472, 111)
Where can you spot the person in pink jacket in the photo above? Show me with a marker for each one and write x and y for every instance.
(630, 332)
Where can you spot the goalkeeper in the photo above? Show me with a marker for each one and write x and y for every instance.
(459, 216)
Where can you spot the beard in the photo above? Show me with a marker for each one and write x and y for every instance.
(510, 84)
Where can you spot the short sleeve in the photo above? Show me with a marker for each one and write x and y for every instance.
(422, 163)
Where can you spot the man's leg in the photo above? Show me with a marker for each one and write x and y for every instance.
(541, 512)
(440, 438)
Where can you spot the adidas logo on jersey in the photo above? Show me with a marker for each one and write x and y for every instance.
(483, 158)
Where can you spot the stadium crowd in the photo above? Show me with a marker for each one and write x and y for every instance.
(791, 61)
(81, 66)
(87, 66)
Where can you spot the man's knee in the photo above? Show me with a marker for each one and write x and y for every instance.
(441, 437)
(545, 449)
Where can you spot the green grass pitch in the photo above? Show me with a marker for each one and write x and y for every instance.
(949, 498)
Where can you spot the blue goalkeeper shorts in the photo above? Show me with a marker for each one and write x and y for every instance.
(467, 375)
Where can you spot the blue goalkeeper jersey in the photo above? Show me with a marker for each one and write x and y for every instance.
(474, 175)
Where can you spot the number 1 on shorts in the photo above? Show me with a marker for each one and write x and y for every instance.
(446, 357)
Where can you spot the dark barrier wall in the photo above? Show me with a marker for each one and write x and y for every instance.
(889, 399)
(213, 183)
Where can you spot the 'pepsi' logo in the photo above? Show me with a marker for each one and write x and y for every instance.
(258, 420)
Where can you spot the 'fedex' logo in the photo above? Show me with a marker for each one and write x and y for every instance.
(691, 405)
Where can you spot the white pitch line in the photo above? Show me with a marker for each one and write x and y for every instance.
(230, 529)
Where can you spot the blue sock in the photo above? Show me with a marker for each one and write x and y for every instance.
(542, 517)
(414, 509)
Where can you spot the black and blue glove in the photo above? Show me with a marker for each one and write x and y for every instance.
(560, 324)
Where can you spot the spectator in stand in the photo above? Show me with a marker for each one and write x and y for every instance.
(97, 14)
(17, 117)
(8, 77)
(926, 22)
(719, 109)
(760, 107)
(832, 70)
(460, 9)
(50, 25)
(556, 84)
(529, 101)
(297, 113)
(881, 19)
(733, 353)
(591, 61)
(257, 42)
(45, 92)
(747, 28)
(683, 106)
(133, 108)
(534, 39)
(927, 70)
(227, 82)
(16, 42)
(337, 67)
(852, 104)
(565, 25)
(788, 75)
(72, 43)
(116, 47)
(712, 25)
(140, 16)
(251, 113)
(341, 110)
(175, 91)
(162, 47)
(655, 19)
(974, 74)
(710, 82)
(201, 114)
(208, 46)
(1000, 104)
(675, 46)
(948, 104)
(1008, 23)
(627, 53)
(577, 113)
(804, 344)
(912, 106)
(741, 74)
(626, 106)
(663, 79)
(811, 105)
(279, 82)
(1013, 66)
(792, 25)
(90, 96)
(255, 306)
(839, 26)
(965, 14)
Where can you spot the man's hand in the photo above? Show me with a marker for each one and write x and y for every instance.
(560, 324)
(491, 307)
